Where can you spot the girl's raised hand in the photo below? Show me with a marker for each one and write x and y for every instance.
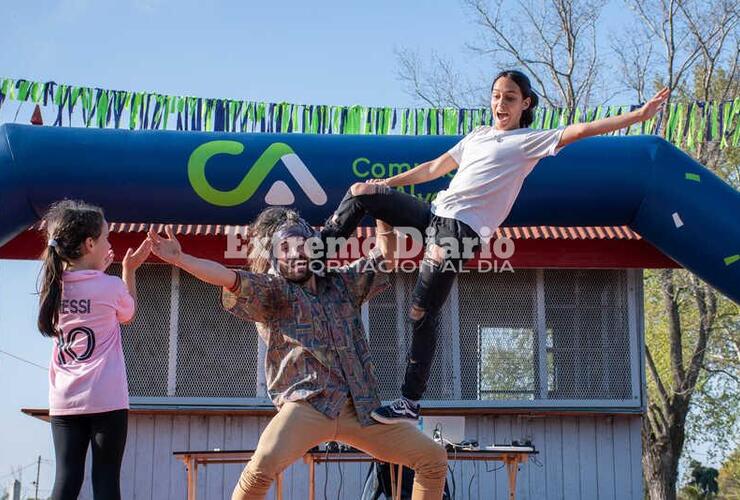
(135, 258)
(650, 108)
(168, 249)
(108, 259)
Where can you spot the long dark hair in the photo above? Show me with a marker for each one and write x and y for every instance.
(261, 232)
(68, 224)
(525, 86)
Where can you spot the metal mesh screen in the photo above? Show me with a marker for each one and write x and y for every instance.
(588, 340)
(537, 336)
(146, 339)
(216, 352)
(387, 346)
(390, 339)
(529, 335)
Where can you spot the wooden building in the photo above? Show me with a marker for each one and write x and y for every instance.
(551, 352)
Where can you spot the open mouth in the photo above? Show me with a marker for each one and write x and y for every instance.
(502, 115)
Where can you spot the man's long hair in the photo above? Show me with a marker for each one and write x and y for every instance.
(260, 236)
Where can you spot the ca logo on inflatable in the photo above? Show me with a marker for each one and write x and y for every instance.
(278, 194)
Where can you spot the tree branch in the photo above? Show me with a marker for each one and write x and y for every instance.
(674, 326)
(707, 307)
(664, 397)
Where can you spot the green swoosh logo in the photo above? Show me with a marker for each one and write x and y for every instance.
(248, 185)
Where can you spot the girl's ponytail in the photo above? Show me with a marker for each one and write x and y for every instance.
(68, 224)
(50, 295)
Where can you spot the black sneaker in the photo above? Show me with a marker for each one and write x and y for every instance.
(401, 410)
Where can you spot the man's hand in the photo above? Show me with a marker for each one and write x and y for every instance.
(168, 249)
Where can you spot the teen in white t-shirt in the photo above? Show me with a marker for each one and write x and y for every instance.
(492, 164)
(492, 167)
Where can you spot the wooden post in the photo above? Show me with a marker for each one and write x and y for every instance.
(512, 467)
(399, 482)
(311, 477)
(279, 487)
(192, 477)
(393, 483)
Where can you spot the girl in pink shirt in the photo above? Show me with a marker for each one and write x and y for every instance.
(82, 308)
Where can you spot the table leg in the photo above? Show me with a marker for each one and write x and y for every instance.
(512, 467)
(311, 479)
(399, 482)
(192, 478)
(393, 482)
(279, 487)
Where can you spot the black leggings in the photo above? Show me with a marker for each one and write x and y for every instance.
(435, 279)
(72, 434)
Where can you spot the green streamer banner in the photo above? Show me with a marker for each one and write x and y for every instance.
(685, 124)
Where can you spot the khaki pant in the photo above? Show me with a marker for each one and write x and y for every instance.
(298, 427)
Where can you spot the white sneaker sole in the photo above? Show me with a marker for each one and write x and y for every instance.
(392, 421)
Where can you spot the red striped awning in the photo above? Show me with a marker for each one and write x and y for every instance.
(536, 246)
(514, 233)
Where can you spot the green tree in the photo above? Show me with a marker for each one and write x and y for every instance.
(729, 477)
(692, 383)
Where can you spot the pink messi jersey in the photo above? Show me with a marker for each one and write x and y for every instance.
(88, 372)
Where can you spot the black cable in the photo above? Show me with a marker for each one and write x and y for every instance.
(454, 487)
(495, 469)
(13, 473)
(454, 467)
(438, 433)
(45, 368)
(386, 486)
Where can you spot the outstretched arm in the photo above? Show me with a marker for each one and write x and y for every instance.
(131, 262)
(424, 172)
(169, 250)
(581, 130)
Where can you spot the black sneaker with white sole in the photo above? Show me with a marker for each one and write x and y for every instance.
(401, 410)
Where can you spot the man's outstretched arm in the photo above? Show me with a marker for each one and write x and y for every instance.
(169, 250)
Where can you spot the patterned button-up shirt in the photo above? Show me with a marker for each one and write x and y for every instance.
(316, 346)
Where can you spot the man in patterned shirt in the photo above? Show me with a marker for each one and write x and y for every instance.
(319, 372)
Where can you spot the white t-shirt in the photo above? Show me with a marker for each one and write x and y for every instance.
(492, 167)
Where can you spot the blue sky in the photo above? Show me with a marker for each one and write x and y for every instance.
(321, 52)
(317, 52)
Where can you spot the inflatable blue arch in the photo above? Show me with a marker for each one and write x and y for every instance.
(644, 182)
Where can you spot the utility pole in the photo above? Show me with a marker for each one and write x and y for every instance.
(16, 490)
(38, 469)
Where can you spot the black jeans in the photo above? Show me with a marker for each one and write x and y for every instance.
(72, 434)
(435, 276)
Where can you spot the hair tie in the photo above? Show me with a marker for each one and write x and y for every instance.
(53, 243)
